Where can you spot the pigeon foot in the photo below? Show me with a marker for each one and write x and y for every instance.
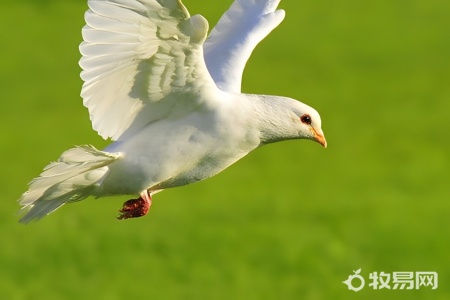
(136, 208)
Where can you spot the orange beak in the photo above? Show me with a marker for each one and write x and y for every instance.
(319, 137)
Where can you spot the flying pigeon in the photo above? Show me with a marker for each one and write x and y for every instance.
(169, 98)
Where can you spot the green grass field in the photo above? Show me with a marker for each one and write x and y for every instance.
(290, 221)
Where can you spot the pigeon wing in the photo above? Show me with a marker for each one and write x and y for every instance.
(142, 61)
(232, 40)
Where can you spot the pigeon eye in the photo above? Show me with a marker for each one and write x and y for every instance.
(306, 119)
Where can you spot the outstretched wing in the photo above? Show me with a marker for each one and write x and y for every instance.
(238, 32)
(139, 56)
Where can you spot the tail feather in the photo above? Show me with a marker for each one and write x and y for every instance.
(72, 178)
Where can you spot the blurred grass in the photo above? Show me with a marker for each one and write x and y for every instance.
(290, 221)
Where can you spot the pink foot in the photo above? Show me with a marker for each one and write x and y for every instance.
(136, 208)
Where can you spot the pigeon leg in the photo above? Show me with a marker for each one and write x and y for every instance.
(136, 208)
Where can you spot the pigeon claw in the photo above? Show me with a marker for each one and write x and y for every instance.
(135, 208)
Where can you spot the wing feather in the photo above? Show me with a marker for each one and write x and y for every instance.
(137, 56)
(232, 40)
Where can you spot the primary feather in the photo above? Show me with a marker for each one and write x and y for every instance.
(135, 54)
(234, 38)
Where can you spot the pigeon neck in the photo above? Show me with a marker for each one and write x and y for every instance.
(276, 122)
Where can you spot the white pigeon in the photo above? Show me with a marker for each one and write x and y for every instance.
(171, 101)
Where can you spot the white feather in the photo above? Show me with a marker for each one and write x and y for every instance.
(233, 39)
(159, 51)
(72, 178)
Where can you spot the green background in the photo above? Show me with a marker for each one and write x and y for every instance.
(290, 221)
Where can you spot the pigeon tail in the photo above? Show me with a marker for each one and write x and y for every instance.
(75, 176)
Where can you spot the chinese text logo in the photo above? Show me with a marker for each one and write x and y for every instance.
(393, 281)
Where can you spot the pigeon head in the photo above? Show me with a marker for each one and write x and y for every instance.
(310, 124)
(285, 118)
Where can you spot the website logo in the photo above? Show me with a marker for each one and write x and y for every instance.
(393, 281)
